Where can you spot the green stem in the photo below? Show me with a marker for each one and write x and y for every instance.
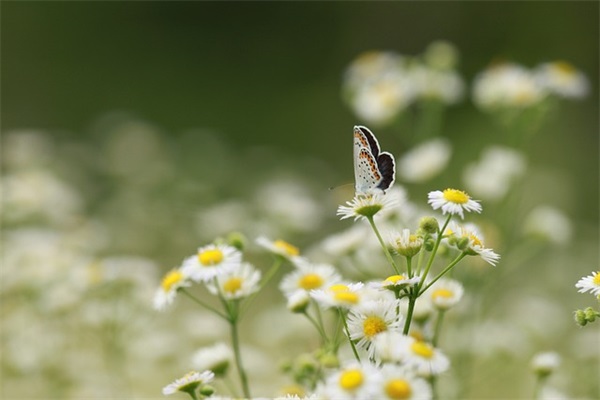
(385, 249)
(238, 357)
(268, 276)
(446, 270)
(192, 393)
(320, 320)
(343, 317)
(421, 254)
(203, 304)
(409, 266)
(438, 328)
(316, 325)
(539, 384)
(412, 299)
(432, 256)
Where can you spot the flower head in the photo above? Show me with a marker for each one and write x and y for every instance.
(370, 319)
(425, 161)
(339, 295)
(395, 282)
(453, 201)
(189, 382)
(590, 283)
(405, 243)
(353, 382)
(236, 283)
(445, 293)
(365, 206)
(563, 79)
(216, 358)
(167, 291)
(309, 277)
(400, 383)
(211, 261)
(544, 364)
(467, 239)
(280, 247)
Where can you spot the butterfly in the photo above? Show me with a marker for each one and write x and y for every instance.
(373, 169)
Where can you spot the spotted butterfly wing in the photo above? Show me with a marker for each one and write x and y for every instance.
(373, 169)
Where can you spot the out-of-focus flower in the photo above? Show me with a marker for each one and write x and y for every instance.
(216, 358)
(590, 283)
(424, 161)
(395, 282)
(453, 201)
(339, 295)
(235, 283)
(211, 261)
(167, 291)
(445, 293)
(441, 55)
(189, 382)
(506, 85)
(445, 86)
(549, 223)
(280, 248)
(491, 177)
(562, 79)
(402, 383)
(353, 382)
(544, 364)
(378, 86)
(309, 277)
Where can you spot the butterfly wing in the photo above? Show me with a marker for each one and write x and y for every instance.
(372, 169)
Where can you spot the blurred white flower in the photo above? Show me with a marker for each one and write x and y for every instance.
(216, 358)
(165, 294)
(370, 319)
(309, 277)
(506, 85)
(189, 382)
(562, 79)
(492, 176)
(549, 223)
(545, 363)
(445, 293)
(210, 261)
(424, 161)
(590, 283)
(402, 383)
(339, 295)
(236, 283)
(445, 86)
(352, 382)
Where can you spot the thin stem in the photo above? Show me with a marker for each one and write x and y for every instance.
(316, 325)
(320, 320)
(192, 393)
(421, 254)
(539, 384)
(438, 328)
(446, 270)
(409, 266)
(343, 317)
(203, 304)
(238, 358)
(385, 249)
(412, 299)
(264, 282)
(432, 256)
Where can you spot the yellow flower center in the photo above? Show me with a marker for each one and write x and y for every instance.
(310, 281)
(287, 248)
(394, 278)
(475, 239)
(373, 325)
(346, 297)
(170, 279)
(413, 238)
(398, 389)
(456, 196)
(339, 288)
(422, 349)
(564, 67)
(444, 293)
(233, 285)
(596, 279)
(351, 379)
(210, 257)
(418, 335)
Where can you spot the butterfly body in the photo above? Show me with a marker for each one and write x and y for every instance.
(373, 169)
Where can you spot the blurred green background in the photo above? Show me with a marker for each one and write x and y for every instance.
(231, 94)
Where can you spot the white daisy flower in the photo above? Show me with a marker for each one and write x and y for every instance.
(405, 243)
(339, 295)
(444, 85)
(165, 294)
(216, 358)
(424, 161)
(395, 282)
(422, 356)
(308, 277)
(402, 383)
(371, 318)
(211, 261)
(474, 245)
(353, 382)
(280, 248)
(590, 283)
(298, 301)
(453, 201)
(562, 79)
(506, 86)
(543, 364)
(549, 223)
(189, 382)
(366, 206)
(445, 293)
(237, 283)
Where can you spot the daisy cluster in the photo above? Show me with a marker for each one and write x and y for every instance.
(591, 284)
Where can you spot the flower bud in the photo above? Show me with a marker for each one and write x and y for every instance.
(237, 240)
(298, 302)
(429, 225)
(207, 390)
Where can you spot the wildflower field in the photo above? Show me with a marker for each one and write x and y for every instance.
(300, 200)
